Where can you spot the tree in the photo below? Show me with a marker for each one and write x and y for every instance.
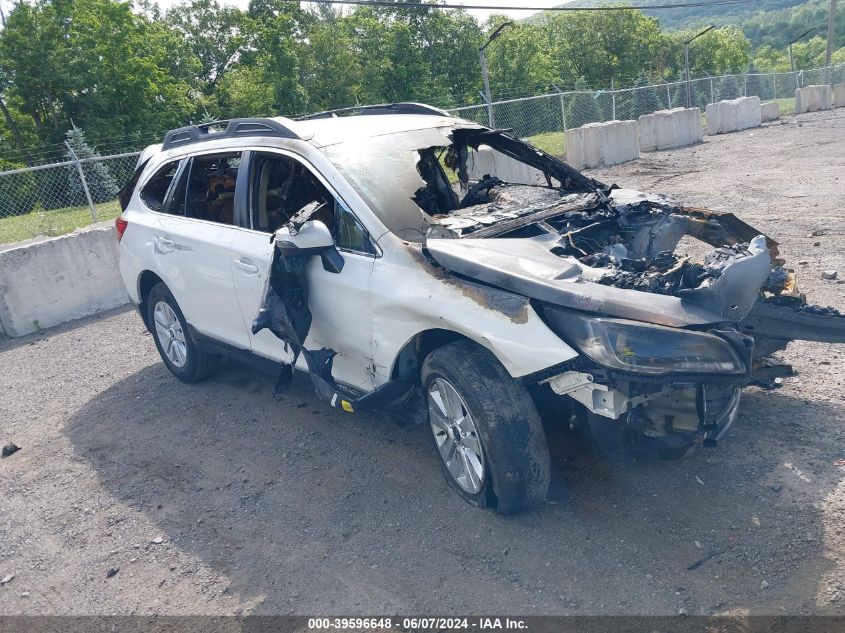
(729, 88)
(582, 107)
(17, 191)
(100, 183)
(645, 99)
(96, 63)
(601, 45)
(216, 34)
(757, 84)
(719, 51)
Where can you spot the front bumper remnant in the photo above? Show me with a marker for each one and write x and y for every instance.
(660, 413)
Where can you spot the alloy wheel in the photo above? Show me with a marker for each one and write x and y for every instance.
(456, 436)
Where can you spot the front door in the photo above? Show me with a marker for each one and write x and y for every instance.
(280, 185)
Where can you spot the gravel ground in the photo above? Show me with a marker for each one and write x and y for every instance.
(217, 499)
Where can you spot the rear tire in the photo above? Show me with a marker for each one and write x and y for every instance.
(503, 423)
(170, 332)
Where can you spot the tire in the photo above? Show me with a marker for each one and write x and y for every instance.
(514, 456)
(192, 364)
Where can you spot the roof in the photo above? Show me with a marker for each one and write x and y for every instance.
(331, 131)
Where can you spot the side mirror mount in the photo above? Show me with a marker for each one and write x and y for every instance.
(312, 238)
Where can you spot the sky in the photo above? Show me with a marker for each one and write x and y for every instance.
(480, 14)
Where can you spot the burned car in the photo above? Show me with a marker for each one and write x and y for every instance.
(411, 261)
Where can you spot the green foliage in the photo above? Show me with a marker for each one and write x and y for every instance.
(101, 185)
(17, 191)
(645, 100)
(728, 88)
(582, 107)
(126, 75)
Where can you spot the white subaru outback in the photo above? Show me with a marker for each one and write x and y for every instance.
(413, 261)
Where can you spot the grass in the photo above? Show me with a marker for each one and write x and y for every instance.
(550, 142)
(51, 223)
(787, 106)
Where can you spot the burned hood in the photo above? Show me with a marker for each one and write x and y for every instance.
(529, 267)
(609, 254)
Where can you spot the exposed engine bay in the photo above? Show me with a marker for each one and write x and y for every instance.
(666, 341)
(583, 252)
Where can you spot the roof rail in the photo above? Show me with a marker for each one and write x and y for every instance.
(384, 108)
(233, 128)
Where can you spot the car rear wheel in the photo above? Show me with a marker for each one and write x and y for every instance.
(170, 331)
(486, 429)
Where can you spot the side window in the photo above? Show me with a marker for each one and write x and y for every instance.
(154, 193)
(210, 187)
(280, 186)
(348, 232)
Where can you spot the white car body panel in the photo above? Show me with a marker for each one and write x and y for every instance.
(367, 313)
(409, 296)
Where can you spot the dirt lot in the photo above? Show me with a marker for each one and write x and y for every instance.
(216, 499)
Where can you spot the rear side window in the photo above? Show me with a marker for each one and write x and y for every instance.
(154, 193)
(211, 187)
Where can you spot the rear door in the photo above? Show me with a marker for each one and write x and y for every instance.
(193, 241)
(279, 185)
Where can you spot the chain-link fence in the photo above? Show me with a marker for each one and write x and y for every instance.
(55, 199)
(543, 119)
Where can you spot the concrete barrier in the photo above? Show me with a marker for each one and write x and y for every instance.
(839, 96)
(812, 99)
(733, 115)
(488, 161)
(601, 144)
(769, 111)
(665, 129)
(49, 281)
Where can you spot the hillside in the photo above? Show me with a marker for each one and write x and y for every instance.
(688, 17)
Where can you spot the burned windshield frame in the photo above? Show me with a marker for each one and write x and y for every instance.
(385, 172)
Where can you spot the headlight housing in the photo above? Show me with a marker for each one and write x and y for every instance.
(641, 348)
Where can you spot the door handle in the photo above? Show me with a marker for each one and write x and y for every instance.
(164, 245)
(246, 266)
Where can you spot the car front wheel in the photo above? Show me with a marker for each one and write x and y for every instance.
(170, 332)
(486, 429)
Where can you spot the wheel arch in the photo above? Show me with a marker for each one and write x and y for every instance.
(408, 361)
(146, 280)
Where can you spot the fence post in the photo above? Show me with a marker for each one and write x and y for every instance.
(490, 119)
(613, 97)
(668, 95)
(774, 86)
(84, 182)
(712, 93)
(562, 107)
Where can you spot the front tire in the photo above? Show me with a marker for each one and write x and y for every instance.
(486, 429)
(170, 332)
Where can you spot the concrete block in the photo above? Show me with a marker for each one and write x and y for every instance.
(812, 99)
(733, 115)
(601, 144)
(769, 111)
(665, 129)
(839, 96)
(47, 282)
(488, 161)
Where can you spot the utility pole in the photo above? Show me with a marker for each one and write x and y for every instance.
(488, 96)
(831, 27)
(686, 62)
(792, 59)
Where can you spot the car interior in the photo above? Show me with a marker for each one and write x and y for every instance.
(211, 188)
(282, 186)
